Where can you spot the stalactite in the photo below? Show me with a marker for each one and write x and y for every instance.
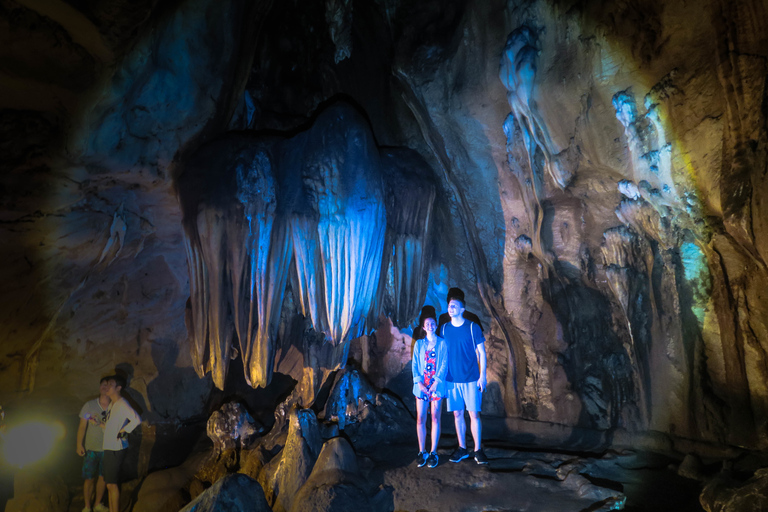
(410, 194)
(210, 226)
(251, 204)
(265, 264)
(238, 252)
(338, 166)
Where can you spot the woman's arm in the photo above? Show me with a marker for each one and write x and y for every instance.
(442, 360)
(415, 362)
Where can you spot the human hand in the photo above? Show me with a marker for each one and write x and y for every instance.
(482, 383)
(433, 387)
(80, 450)
(423, 388)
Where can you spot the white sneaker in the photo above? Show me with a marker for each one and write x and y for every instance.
(100, 508)
(86, 509)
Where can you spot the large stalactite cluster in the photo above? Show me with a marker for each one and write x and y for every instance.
(260, 211)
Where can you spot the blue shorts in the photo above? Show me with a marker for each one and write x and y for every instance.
(464, 396)
(93, 465)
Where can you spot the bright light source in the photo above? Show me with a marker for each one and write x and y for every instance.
(30, 442)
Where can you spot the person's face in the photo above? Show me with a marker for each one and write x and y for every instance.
(103, 387)
(455, 309)
(429, 325)
(113, 390)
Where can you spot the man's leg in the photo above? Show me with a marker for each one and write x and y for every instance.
(88, 492)
(461, 428)
(477, 428)
(100, 488)
(114, 497)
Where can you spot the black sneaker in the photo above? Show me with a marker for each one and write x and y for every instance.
(432, 460)
(422, 459)
(480, 457)
(459, 454)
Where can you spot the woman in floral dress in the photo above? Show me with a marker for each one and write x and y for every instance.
(429, 366)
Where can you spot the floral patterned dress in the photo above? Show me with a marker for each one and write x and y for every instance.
(430, 357)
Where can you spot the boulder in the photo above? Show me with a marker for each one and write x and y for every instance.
(334, 484)
(297, 459)
(231, 427)
(233, 493)
(726, 494)
(38, 492)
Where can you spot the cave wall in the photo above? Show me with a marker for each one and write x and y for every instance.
(600, 179)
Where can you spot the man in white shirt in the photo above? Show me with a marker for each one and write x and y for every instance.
(121, 421)
(90, 446)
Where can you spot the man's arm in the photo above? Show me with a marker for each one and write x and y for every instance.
(81, 436)
(481, 356)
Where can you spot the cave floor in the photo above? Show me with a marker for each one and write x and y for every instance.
(532, 481)
(518, 479)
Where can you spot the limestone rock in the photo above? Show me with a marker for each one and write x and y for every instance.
(236, 492)
(232, 427)
(335, 484)
(38, 492)
(725, 494)
(296, 460)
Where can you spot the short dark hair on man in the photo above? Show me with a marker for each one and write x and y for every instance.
(105, 379)
(119, 380)
(456, 294)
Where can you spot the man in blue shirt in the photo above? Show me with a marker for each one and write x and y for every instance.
(466, 378)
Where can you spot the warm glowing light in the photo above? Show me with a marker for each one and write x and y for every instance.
(31, 442)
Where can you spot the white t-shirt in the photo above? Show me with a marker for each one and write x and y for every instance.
(120, 416)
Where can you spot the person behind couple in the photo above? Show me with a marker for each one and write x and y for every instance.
(121, 421)
(466, 378)
(90, 446)
(429, 366)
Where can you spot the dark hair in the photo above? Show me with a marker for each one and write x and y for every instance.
(456, 294)
(119, 380)
(105, 379)
(427, 312)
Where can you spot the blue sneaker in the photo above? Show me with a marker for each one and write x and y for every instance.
(422, 459)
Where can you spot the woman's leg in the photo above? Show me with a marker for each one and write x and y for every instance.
(436, 411)
(421, 422)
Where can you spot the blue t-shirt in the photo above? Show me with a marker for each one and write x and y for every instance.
(462, 358)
